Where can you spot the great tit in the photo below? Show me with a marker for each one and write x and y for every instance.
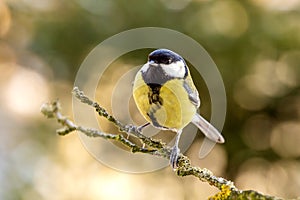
(167, 98)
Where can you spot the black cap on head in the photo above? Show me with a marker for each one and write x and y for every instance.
(164, 56)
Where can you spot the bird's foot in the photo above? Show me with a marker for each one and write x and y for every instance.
(140, 128)
(174, 156)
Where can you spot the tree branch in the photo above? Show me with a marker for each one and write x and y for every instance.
(149, 146)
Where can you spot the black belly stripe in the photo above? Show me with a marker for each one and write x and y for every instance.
(155, 101)
(151, 115)
(154, 98)
(153, 94)
(153, 119)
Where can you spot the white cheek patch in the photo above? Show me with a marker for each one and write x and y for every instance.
(176, 69)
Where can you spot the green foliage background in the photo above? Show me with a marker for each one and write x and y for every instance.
(255, 45)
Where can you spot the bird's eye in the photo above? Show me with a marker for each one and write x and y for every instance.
(167, 61)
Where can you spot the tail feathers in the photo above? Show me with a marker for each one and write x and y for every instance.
(207, 129)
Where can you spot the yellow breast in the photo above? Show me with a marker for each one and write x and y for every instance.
(175, 111)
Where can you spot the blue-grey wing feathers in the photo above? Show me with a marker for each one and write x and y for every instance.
(193, 94)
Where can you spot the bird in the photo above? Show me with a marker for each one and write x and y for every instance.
(165, 95)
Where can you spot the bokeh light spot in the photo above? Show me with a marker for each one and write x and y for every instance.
(175, 4)
(251, 175)
(292, 63)
(270, 178)
(285, 139)
(229, 18)
(246, 97)
(257, 130)
(99, 7)
(277, 4)
(25, 91)
(265, 80)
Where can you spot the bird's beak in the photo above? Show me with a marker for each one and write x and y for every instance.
(152, 63)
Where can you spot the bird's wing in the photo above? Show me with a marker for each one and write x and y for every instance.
(192, 92)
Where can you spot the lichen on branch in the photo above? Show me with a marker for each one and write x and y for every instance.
(147, 145)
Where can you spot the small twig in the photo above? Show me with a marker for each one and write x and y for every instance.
(149, 146)
(129, 129)
(52, 110)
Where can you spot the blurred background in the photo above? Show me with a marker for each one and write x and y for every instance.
(255, 44)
